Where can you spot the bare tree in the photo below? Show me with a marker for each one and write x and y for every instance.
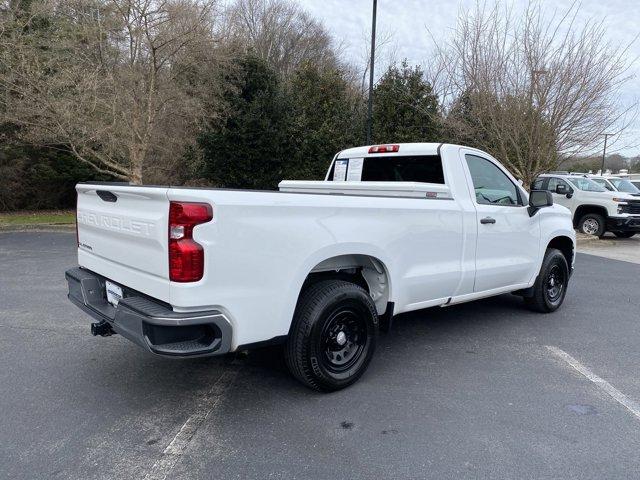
(118, 83)
(386, 54)
(530, 90)
(281, 33)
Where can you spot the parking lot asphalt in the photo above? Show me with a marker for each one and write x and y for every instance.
(470, 391)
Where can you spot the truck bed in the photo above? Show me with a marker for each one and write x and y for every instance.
(260, 244)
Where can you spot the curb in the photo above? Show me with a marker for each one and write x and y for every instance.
(39, 228)
(582, 238)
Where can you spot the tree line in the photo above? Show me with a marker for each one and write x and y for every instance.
(247, 93)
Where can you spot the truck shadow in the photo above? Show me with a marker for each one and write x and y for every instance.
(411, 333)
(468, 326)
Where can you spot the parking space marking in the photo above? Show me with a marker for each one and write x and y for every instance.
(617, 395)
(176, 448)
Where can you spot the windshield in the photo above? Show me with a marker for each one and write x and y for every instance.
(586, 185)
(624, 185)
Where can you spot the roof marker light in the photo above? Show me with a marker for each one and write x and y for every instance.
(384, 148)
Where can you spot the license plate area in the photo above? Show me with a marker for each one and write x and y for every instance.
(114, 293)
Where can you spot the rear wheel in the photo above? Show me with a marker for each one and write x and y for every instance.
(592, 224)
(551, 285)
(333, 335)
(624, 234)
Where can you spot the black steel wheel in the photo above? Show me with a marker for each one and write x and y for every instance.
(554, 282)
(333, 335)
(550, 287)
(344, 339)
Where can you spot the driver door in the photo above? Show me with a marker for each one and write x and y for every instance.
(561, 198)
(508, 238)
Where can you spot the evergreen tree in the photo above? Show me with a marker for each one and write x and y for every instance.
(326, 117)
(248, 150)
(405, 109)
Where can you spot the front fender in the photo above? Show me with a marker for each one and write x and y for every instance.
(555, 221)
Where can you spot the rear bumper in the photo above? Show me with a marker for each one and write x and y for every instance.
(623, 224)
(149, 323)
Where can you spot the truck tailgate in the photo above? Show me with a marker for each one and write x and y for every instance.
(122, 235)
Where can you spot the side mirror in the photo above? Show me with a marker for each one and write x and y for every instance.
(539, 199)
(562, 189)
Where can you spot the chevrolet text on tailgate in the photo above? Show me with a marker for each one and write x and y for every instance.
(319, 266)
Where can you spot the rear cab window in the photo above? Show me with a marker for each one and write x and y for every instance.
(407, 168)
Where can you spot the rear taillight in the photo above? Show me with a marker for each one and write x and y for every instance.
(384, 148)
(186, 256)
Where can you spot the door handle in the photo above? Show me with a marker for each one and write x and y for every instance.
(486, 220)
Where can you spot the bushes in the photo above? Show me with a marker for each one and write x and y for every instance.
(35, 178)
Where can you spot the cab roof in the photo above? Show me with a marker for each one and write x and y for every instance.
(404, 149)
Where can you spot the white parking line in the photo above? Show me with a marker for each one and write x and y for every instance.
(176, 448)
(617, 395)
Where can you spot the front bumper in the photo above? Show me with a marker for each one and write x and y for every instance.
(150, 323)
(623, 224)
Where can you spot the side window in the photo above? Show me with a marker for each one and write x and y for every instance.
(537, 185)
(554, 182)
(491, 185)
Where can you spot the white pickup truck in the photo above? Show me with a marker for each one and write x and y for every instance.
(318, 266)
(595, 209)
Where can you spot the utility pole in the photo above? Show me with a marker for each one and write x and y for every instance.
(533, 144)
(604, 150)
(371, 65)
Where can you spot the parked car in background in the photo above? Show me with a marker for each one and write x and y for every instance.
(616, 184)
(595, 209)
(319, 265)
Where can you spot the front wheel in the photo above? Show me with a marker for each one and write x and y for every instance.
(624, 234)
(333, 335)
(592, 224)
(551, 285)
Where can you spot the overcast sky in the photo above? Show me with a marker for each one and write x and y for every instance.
(350, 20)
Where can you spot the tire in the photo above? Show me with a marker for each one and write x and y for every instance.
(592, 224)
(333, 335)
(554, 273)
(624, 234)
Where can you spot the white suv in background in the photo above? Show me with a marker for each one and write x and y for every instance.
(595, 209)
(616, 184)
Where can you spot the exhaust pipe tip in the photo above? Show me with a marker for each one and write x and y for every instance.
(102, 329)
